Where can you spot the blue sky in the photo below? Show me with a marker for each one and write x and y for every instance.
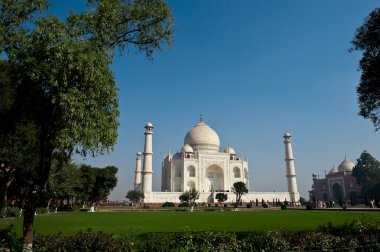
(253, 69)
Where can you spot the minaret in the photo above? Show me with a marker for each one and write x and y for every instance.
(138, 172)
(147, 168)
(290, 169)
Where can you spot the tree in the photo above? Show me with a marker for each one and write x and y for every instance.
(189, 197)
(60, 71)
(63, 182)
(367, 40)
(367, 174)
(135, 196)
(105, 181)
(239, 189)
(95, 184)
(17, 138)
(221, 197)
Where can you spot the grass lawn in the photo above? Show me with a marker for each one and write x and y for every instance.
(121, 223)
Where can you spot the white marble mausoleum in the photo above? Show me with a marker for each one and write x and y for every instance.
(203, 165)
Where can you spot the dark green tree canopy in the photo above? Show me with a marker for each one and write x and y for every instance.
(367, 174)
(221, 197)
(367, 40)
(239, 189)
(135, 196)
(189, 197)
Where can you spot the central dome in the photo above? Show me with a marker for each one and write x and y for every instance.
(202, 137)
(346, 166)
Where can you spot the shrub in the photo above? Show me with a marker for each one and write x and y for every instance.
(9, 240)
(82, 241)
(225, 205)
(265, 205)
(249, 205)
(168, 204)
(284, 206)
(146, 207)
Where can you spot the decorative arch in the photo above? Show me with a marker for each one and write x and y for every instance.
(237, 173)
(191, 171)
(190, 185)
(337, 191)
(353, 197)
(214, 178)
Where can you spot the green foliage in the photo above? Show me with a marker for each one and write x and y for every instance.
(221, 197)
(367, 174)
(105, 181)
(95, 184)
(135, 196)
(8, 239)
(355, 235)
(367, 40)
(63, 182)
(82, 241)
(168, 204)
(239, 188)
(64, 96)
(189, 197)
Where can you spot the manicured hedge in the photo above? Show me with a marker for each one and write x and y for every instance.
(353, 236)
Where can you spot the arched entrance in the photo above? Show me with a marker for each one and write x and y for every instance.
(353, 197)
(337, 192)
(214, 178)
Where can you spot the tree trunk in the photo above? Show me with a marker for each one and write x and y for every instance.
(43, 171)
(30, 209)
(48, 205)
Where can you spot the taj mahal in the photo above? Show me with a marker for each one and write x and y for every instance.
(202, 165)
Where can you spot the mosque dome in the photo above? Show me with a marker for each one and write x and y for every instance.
(202, 137)
(333, 170)
(187, 148)
(346, 166)
(229, 150)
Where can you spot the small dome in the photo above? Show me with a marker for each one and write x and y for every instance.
(333, 170)
(203, 137)
(229, 150)
(287, 134)
(139, 153)
(149, 124)
(346, 166)
(187, 148)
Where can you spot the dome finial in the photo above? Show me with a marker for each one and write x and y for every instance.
(201, 118)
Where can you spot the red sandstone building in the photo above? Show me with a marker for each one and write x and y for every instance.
(338, 185)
